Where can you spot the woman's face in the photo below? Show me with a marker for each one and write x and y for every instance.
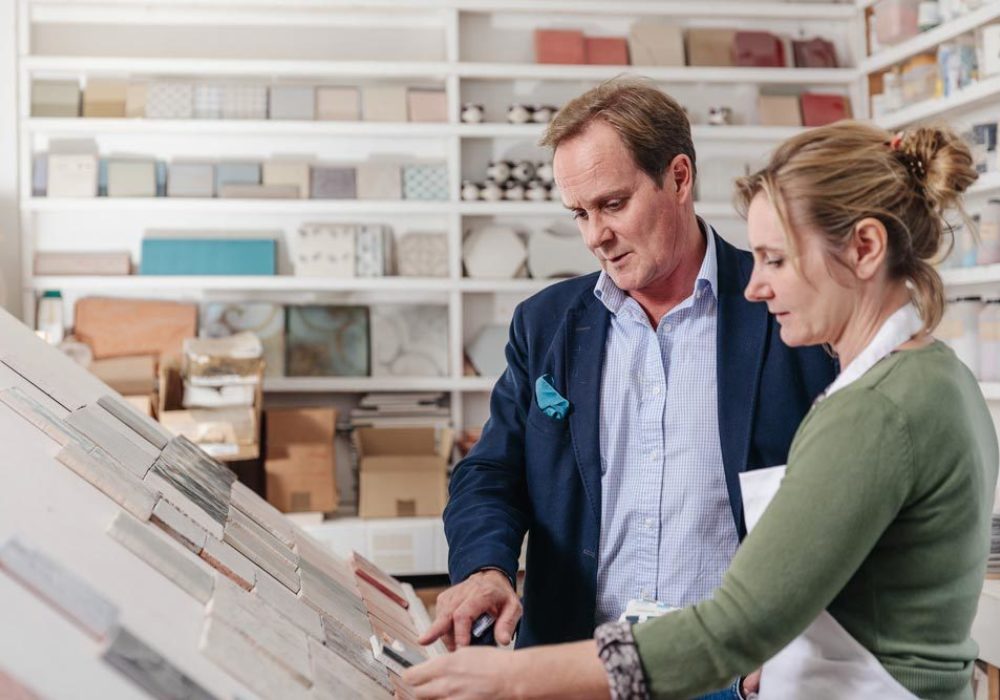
(811, 297)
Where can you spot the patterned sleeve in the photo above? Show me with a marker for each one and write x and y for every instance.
(617, 650)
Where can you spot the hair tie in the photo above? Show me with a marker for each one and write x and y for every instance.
(896, 141)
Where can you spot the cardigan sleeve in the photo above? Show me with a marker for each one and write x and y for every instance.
(849, 474)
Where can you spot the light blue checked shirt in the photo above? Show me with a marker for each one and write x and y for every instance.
(667, 531)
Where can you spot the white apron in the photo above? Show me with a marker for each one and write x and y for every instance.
(825, 661)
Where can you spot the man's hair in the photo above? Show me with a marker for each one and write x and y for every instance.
(651, 124)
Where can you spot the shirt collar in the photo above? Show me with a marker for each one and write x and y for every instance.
(708, 275)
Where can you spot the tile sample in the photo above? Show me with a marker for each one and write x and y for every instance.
(109, 477)
(379, 181)
(40, 175)
(425, 182)
(327, 341)
(82, 263)
(135, 101)
(72, 175)
(265, 320)
(104, 98)
(230, 563)
(555, 254)
(425, 105)
(197, 476)
(143, 426)
(778, 110)
(237, 655)
(423, 255)
(157, 327)
(559, 46)
(329, 182)
(131, 178)
(55, 98)
(372, 250)
(486, 350)
(327, 597)
(191, 180)
(605, 50)
(156, 549)
(375, 576)
(44, 419)
(334, 677)
(289, 605)
(710, 47)
(338, 104)
(244, 102)
(171, 520)
(494, 251)
(236, 173)
(409, 340)
(266, 628)
(73, 597)
(384, 103)
(321, 557)
(356, 652)
(169, 100)
(259, 192)
(653, 43)
(263, 513)
(134, 453)
(288, 172)
(324, 250)
(294, 102)
(207, 101)
(264, 550)
(150, 670)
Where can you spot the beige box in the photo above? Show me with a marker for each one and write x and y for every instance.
(382, 181)
(131, 178)
(55, 98)
(402, 471)
(384, 103)
(652, 43)
(134, 375)
(338, 104)
(425, 105)
(281, 172)
(105, 98)
(710, 47)
(153, 327)
(135, 101)
(82, 263)
(301, 464)
(72, 175)
(778, 110)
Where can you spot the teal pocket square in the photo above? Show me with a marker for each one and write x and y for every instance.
(549, 400)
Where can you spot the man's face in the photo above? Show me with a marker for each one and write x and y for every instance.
(634, 228)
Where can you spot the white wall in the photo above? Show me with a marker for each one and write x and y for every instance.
(10, 249)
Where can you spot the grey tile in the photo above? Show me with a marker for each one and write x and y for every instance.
(335, 677)
(230, 563)
(156, 549)
(109, 477)
(156, 482)
(357, 652)
(237, 655)
(109, 434)
(60, 588)
(322, 558)
(204, 480)
(179, 526)
(329, 598)
(144, 426)
(266, 628)
(288, 604)
(263, 549)
(44, 419)
(148, 669)
(263, 513)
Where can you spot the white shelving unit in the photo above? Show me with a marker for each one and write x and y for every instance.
(338, 42)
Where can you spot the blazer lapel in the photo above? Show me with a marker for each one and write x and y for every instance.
(586, 333)
(741, 337)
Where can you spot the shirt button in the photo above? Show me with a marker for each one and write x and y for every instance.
(656, 390)
(666, 327)
(654, 454)
(648, 522)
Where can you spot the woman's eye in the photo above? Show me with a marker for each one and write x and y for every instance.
(774, 262)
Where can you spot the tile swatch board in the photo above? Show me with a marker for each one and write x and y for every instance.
(140, 567)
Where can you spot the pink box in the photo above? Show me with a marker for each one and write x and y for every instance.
(606, 51)
(563, 46)
(426, 105)
(819, 110)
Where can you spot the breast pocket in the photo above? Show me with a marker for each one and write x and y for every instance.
(554, 427)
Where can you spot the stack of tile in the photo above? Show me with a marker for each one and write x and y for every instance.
(993, 565)
(408, 410)
(342, 250)
(283, 616)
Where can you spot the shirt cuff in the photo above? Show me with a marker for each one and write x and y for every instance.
(620, 656)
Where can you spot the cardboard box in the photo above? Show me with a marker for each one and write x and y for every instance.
(82, 263)
(606, 51)
(560, 46)
(814, 53)
(300, 465)
(778, 110)
(710, 47)
(72, 175)
(402, 471)
(130, 376)
(120, 327)
(652, 43)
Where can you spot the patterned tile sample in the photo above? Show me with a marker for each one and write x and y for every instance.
(381, 181)
(134, 453)
(156, 549)
(263, 549)
(334, 677)
(244, 102)
(266, 628)
(109, 477)
(409, 341)
(171, 520)
(326, 596)
(199, 477)
(72, 175)
(329, 182)
(356, 652)
(148, 669)
(169, 100)
(325, 250)
(371, 250)
(327, 341)
(143, 426)
(131, 178)
(236, 173)
(289, 605)
(71, 596)
(266, 321)
(207, 101)
(237, 655)
(191, 180)
(293, 102)
(426, 182)
(423, 255)
(230, 563)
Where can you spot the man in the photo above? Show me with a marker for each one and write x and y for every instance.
(673, 385)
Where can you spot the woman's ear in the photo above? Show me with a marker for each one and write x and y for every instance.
(868, 248)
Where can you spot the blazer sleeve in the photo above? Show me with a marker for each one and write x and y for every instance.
(488, 511)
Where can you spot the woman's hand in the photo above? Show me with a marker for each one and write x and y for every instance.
(467, 674)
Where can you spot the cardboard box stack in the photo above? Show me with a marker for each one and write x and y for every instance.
(402, 471)
(300, 465)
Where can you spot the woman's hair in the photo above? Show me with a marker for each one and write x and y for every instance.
(834, 176)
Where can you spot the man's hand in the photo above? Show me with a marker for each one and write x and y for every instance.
(459, 606)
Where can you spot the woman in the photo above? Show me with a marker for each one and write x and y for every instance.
(874, 547)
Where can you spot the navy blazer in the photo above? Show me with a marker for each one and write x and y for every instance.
(532, 473)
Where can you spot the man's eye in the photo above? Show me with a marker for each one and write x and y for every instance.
(614, 205)
(578, 214)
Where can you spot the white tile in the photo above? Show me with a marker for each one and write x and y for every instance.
(227, 561)
(179, 526)
(335, 677)
(109, 434)
(155, 482)
(109, 477)
(289, 605)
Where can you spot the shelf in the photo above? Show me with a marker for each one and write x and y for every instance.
(686, 74)
(701, 133)
(304, 385)
(517, 286)
(991, 390)
(234, 206)
(930, 39)
(257, 69)
(987, 183)
(172, 284)
(929, 109)
(969, 278)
